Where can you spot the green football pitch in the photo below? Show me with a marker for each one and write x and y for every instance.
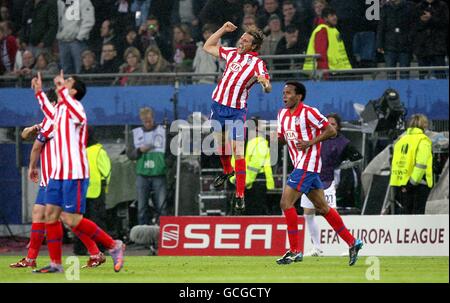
(238, 270)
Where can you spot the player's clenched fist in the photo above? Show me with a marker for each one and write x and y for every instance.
(229, 27)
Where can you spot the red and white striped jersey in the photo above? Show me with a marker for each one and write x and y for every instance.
(46, 157)
(240, 74)
(304, 124)
(70, 136)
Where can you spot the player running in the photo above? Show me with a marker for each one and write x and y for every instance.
(69, 178)
(303, 128)
(229, 106)
(42, 148)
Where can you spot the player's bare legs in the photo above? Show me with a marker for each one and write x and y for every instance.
(317, 197)
(288, 199)
(37, 236)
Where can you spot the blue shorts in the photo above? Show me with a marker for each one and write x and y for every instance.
(40, 199)
(70, 195)
(229, 119)
(304, 181)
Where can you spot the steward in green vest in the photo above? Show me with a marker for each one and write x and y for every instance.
(99, 169)
(412, 162)
(326, 41)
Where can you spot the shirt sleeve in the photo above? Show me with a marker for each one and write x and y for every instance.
(261, 69)
(316, 119)
(46, 129)
(47, 108)
(279, 128)
(225, 51)
(75, 108)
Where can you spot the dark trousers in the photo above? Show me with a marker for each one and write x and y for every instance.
(432, 61)
(96, 212)
(403, 59)
(412, 199)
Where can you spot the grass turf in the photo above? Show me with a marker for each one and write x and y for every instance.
(238, 269)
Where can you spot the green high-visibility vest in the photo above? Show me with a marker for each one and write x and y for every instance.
(411, 162)
(99, 169)
(337, 55)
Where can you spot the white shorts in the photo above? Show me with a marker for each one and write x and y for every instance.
(330, 197)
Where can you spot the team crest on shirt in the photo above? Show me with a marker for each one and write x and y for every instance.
(235, 67)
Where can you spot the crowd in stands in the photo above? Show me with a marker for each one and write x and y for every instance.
(153, 36)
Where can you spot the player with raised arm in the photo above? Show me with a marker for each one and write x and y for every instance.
(69, 178)
(42, 150)
(243, 69)
(303, 128)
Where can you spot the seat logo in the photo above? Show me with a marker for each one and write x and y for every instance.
(170, 236)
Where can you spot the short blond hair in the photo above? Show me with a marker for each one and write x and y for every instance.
(418, 121)
(145, 111)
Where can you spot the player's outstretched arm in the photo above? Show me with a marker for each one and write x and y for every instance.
(211, 45)
(45, 104)
(73, 106)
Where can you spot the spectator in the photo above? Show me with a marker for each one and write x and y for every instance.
(154, 62)
(88, 63)
(73, 34)
(270, 7)
(352, 16)
(203, 62)
(45, 65)
(99, 177)
(110, 62)
(8, 50)
(318, 6)
(150, 35)
(412, 167)
(28, 62)
(394, 34)
(39, 25)
(184, 47)
(292, 16)
(122, 15)
(290, 44)
(325, 41)
(149, 146)
(187, 11)
(251, 7)
(270, 43)
(141, 9)
(431, 34)
(4, 13)
(131, 39)
(108, 35)
(247, 22)
(218, 12)
(132, 57)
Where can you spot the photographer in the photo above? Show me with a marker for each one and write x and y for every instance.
(431, 30)
(151, 35)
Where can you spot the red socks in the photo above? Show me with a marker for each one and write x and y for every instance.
(91, 246)
(240, 177)
(225, 159)
(54, 241)
(335, 220)
(37, 236)
(292, 228)
(95, 233)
